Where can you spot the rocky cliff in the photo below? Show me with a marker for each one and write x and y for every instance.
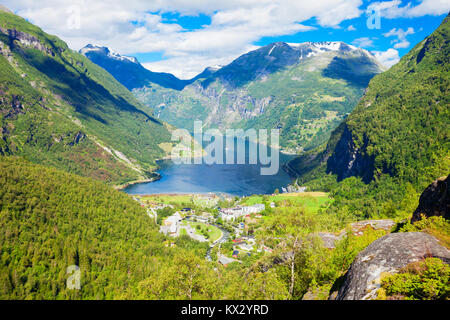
(387, 255)
(350, 160)
(435, 200)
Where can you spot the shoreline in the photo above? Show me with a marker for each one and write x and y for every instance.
(285, 167)
(127, 184)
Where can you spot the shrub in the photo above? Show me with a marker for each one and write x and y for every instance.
(423, 280)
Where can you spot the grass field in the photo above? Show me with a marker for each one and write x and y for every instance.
(206, 201)
(311, 201)
(213, 232)
(169, 198)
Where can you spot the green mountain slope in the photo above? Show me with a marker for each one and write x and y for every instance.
(52, 220)
(396, 141)
(58, 108)
(304, 89)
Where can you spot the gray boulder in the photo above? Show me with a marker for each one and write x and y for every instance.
(387, 254)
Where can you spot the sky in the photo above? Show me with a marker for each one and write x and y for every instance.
(183, 37)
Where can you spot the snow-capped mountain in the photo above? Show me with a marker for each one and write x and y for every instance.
(128, 71)
(89, 49)
(304, 89)
(271, 58)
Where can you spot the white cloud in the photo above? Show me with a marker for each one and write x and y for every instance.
(363, 42)
(350, 28)
(136, 26)
(393, 9)
(430, 7)
(401, 42)
(387, 58)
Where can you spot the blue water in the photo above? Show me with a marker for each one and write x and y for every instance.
(231, 179)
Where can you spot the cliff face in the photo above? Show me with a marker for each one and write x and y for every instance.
(349, 160)
(435, 200)
(387, 255)
(27, 40)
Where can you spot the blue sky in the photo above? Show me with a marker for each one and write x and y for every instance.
(183, 37)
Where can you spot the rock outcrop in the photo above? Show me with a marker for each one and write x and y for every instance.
(387, 255)
(435, 200)
(357, 228)
(384, 224)
(27, 40)
(329, 239)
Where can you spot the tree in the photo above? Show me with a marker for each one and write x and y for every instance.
(286, 232)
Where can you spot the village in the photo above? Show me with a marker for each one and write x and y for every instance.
(229, 229)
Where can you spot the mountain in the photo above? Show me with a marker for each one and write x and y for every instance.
(303, 89)
(59, 108)
(396, 141)
(128, 70)
(208, 72)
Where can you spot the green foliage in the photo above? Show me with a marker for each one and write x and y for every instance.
(51, 220)
(424, 280)
(436, 226)
(303, 262)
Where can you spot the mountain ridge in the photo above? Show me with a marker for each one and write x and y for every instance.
(304, 89)
(128, 71)
(58, 107)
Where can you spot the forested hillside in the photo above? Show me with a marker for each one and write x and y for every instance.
(58, 108)
(395, 142)
(51, 220)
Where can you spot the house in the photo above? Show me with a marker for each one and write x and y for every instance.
(256, 208)
(246, 247)
(224, 260)
(172, 222)
(236, 212)
(249, 239)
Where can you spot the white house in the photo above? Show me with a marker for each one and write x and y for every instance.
(236, 212)
(172, 222)
(254, 208)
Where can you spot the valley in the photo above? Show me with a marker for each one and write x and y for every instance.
(304, 89)
(357, 209)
